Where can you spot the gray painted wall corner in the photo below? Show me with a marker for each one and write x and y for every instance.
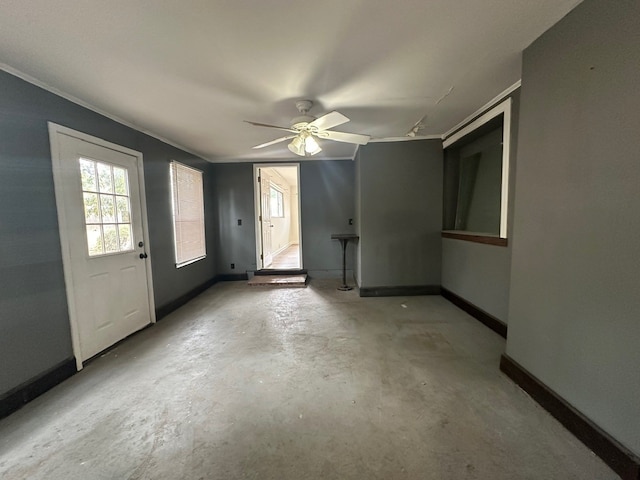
(400, 213)
(574, 303)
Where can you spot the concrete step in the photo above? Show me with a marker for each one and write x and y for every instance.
(279, 280)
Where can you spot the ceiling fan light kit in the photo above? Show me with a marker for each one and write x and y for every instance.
(306, 128)
(304, 145)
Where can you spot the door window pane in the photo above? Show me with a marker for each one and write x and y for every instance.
(122, 207)
(94, 240)
(105, 177)
(124, 234)
(107, 214)
(91, 211)
(110, 238)
(277, 203)
(120, 181)
(108, 208)
(88, 175)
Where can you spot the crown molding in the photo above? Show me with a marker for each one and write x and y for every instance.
(498, 98)
(405, 139)
(38, 83)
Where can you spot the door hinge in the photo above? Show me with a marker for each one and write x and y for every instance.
(260, 217)
(259, 179)
(261, 257)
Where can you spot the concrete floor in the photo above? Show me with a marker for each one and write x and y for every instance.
(296, 384)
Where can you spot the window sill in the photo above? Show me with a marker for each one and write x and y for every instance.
(475, 237)
(189, 262)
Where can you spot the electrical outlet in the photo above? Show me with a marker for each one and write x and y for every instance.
(239, 222)
(233, 265)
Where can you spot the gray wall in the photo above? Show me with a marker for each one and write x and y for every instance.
(357, 261)
(234, 193)
(575, 278)
(477, 272)
(400, 219)
(169, 282)
(327, 197)
(327, 201)
(34, 323)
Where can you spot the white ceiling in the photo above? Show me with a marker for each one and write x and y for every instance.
(191, 71)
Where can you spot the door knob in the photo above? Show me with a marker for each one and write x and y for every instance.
(143, 255)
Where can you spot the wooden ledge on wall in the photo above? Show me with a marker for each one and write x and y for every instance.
(470, 237)
(620, 459)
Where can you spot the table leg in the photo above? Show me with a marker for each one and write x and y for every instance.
(344, 286)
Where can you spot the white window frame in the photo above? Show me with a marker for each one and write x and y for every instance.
(175, 169)
(279, 196)
(503, 108)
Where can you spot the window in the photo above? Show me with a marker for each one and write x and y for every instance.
(277, 203)
(107, 208)
(476, 173)
(188, 214)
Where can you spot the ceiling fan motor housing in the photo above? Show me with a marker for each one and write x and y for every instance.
(300, 122)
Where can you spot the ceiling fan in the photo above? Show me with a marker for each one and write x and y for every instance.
(306, 128)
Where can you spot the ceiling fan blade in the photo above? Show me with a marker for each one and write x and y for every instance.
(270, 126)
(345, 137)
(330, 120)
(277, 140)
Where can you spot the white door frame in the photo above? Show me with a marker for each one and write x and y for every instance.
(256, 196)
(54, 130)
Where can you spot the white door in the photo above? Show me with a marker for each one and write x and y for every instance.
(99, 200)
(265, 216)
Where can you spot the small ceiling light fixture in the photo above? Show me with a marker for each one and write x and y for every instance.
(297, 146)
(304, 145)
(311, 146)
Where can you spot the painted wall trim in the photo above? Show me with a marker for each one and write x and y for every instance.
(21, 395)
(258, 207)
(173, 305)
(56, 91)
(45, 86)
(231, 277)
(495, 100)
(38, 83)
(489, 320)
(618, 457)
(293, 158)
(408, 291)
(405, 139)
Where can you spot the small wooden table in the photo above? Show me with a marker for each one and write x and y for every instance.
(344, 239)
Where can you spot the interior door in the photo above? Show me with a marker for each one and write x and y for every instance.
(99, 202)
(265, 218)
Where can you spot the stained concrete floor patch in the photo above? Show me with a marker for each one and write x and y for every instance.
(287, 384)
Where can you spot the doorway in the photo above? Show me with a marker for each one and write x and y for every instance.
(100, 199)
(278, 226)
